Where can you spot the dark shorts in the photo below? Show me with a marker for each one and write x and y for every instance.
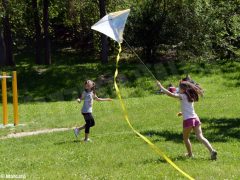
(192, 122)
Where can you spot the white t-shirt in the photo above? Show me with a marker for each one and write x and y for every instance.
(187, 107)
(88, 101)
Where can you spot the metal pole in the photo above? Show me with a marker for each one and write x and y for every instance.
(4, 99)
(15, 98)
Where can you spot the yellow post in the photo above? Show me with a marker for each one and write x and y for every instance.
(4, 99)
(15, 98)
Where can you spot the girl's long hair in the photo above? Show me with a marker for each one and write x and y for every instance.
(190, 90)
(93, 89)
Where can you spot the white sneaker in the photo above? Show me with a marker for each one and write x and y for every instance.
(87, 140)
(76, 132)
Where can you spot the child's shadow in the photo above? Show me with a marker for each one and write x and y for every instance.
(221, 129)
(167, 135)
(67, 142)
(172, 158)
(161, 160)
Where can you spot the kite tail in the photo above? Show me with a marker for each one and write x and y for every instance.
(154, 147)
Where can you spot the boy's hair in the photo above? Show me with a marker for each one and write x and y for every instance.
(93, 89)
(189, 90)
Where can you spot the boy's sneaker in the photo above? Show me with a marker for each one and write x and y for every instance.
(214, 155)
(76, 132)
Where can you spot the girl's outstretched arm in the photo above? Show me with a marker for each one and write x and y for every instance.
(165, 91)
(102, 99)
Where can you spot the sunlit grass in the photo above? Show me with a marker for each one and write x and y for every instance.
(116, 152)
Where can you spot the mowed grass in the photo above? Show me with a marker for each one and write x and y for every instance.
(116, 152)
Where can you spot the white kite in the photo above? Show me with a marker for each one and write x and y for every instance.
(113, 25)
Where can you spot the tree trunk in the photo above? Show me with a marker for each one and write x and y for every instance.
(150, 54)
(2, 50)
(37, 37)
(104, 42)
(7, 36)
(46, 32)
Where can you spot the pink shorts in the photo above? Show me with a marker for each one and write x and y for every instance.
(192, 122)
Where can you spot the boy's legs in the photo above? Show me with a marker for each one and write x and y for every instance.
(186, 133)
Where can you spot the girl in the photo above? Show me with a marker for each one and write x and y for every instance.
(88, 96)
(188, 94)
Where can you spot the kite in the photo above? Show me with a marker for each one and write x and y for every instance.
(112, 25)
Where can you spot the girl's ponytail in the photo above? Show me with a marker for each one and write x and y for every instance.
(190, 90)
(192, 95)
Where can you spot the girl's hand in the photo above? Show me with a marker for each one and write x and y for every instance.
(78, 100)
(179, 114)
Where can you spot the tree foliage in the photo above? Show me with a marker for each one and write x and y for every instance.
(190, 28)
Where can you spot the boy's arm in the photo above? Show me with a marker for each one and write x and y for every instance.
(165, 91)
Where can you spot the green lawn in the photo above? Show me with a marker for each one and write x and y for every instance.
(116, 152)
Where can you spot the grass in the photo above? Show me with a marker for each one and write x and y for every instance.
(116, 152)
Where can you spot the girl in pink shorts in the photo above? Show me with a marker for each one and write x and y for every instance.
(188, 94)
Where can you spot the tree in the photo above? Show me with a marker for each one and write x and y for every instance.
(104, 42)
(147, 27)
(46, 32)
(2, 50)
(7, 35)
(225, 31)
(37, 33)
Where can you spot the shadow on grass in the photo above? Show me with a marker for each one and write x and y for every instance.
(221, 129)
(166, 135)
(157, 161)
(173, 158)
(230, 72)
(57, 83)
(215, 130)
(63, 80)
(67, 142)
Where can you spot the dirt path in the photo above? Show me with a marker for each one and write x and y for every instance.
(23, 134)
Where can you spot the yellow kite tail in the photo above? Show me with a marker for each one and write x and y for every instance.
(154, 147)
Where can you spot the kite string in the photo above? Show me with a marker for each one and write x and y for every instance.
(154, 147)
(140, 60)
